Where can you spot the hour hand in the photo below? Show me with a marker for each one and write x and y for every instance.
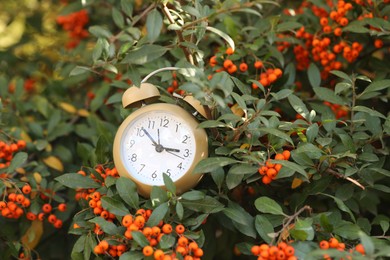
(148, 135)
(171, 150)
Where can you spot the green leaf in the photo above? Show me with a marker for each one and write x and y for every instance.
(342, 206)
(211, 124)
(375, 86)
(108, 227)
(277, 133)
(212, 163)
(264, 228)
(18, 159)
(78, 70)
(347, 230)
(99, 31)
(327, 94)
(144, 54)
(288, 26)
(117, 17)
(303, 230)
(298, 106)
(314, 75)
(179, 210)
(268, 205)
(158, 214)
(132, 255)
(368, 111)
(243, 168)
(342, 75)
(169, 184)
(127, 190)
(154, 23)
(206, 205)
(223, 35)
(167, 241)
(76, 181)
(140, 238)
(193, 195)
(292, 166)
(235, 214)
(114, 206)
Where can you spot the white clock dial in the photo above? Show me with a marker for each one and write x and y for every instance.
(157, 142)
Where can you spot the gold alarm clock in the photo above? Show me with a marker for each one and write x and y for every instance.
(158, 138)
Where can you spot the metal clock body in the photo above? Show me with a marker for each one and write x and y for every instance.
(160, 138)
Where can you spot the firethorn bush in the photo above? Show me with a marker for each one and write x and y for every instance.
(295, 95)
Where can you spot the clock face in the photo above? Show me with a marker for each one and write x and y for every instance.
(157, 142)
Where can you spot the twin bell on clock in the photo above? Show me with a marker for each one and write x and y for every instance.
(158, 138)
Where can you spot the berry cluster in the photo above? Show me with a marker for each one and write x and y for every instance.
(333, 243)
(282, 251)
(185, 246)
(7, 152)
(339, 110)
(269, 171)
(74, 23)
(324, 46)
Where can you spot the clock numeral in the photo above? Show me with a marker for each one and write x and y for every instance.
(164, 122)
(177, 127)
(186, 153)
(132, 142)
(185, 138)
(151, 124)
(168, 172)
(133, 157)
(140, 132)
(180, 166)
(142, 167)
(154, 175)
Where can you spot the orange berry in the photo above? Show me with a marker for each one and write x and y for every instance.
(271, 173)
(279, 156)
(198, 252)
(266, 179)
(180, 229)
(167, 229)
(278, 167)
(292, 258)
(127, 220)
(324, 244)
(213, 61)
(20, 198)
(243, 67)
(280, 255)
(258, 64)
(46, 208)
(278, 72)
(232, 69)
(282, 245)
(264, 82)
(156, 231)
(3, 205)
(338, 31)
(227, 63)
(98, 250)
(286, 154)
(193, 246)
(147, 251)
(272, 78)
(62, 207)
(26, 189)
(12, 196)
(273, 250)
(263, 170)
(333, 242)
(139, 221)
(147, 231)
(343, 21)
(378, 43)
(289, 251)
(269, 164)
(229, 51)
(324, 21)
(52, 218)
(182, 241)
(359, 248)
(104, 244)
(158, 254)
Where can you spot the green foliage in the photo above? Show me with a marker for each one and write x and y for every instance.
(61, 89)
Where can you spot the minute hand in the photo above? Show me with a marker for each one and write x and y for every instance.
(150, 137)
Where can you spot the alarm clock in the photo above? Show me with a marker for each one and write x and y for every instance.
(158, 138)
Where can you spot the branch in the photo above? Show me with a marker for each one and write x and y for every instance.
(179, 33)
(337, 174)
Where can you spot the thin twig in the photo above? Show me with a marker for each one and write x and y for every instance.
(337, 174)
(179, 34)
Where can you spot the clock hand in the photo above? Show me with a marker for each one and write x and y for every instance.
(168, 151)
(158, 135)
(150, 137)
(171, 149)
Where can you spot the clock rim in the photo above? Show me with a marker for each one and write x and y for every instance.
(188, 180)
